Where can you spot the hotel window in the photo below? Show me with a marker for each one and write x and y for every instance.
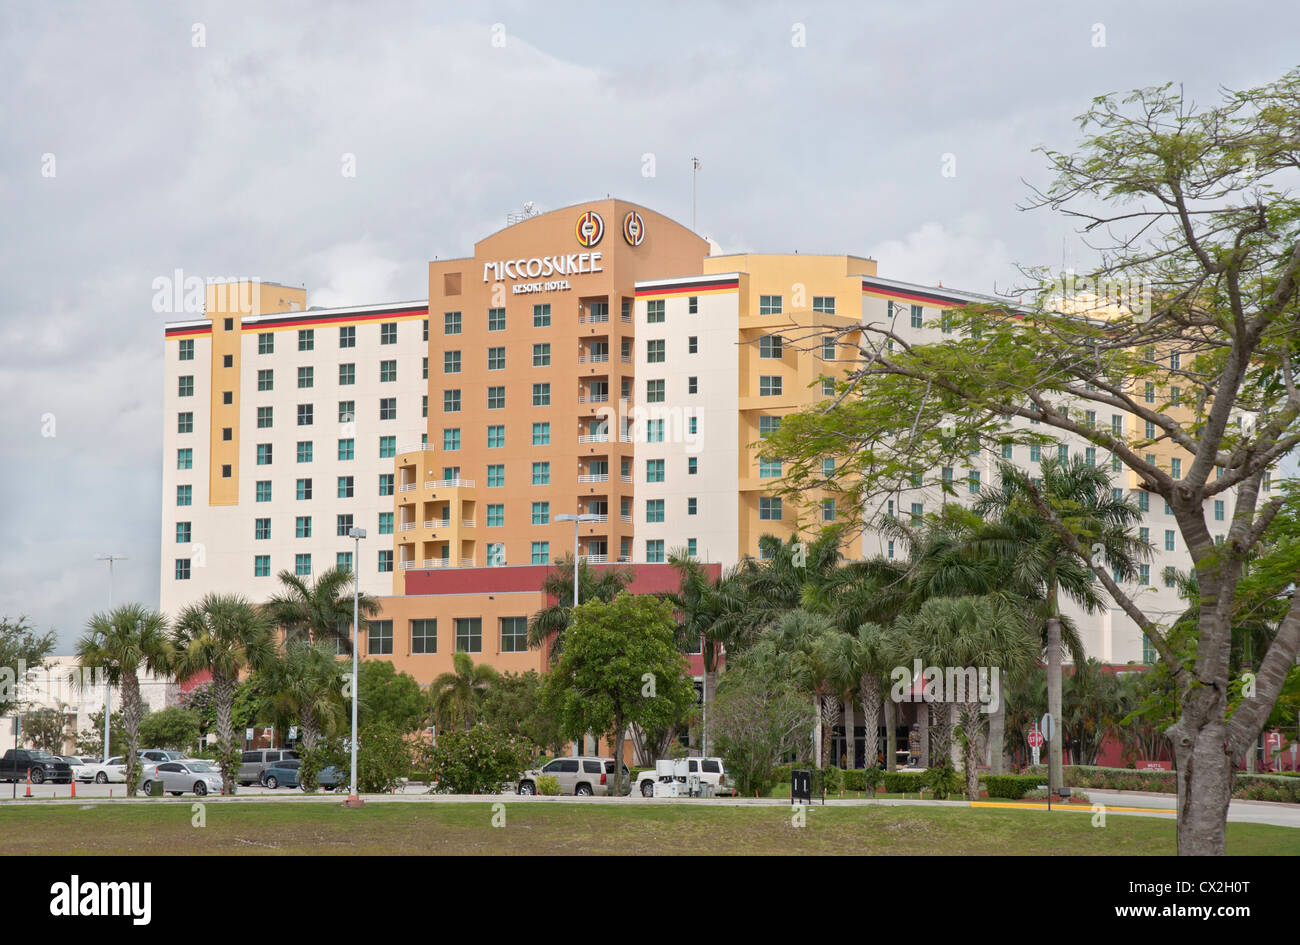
(496, 476)
(347, 410)
(388, 333)
(451, 400)
(266, 343)
(1144, 535)
(182, 533)
(692, 425)
(692, 465)
(185, 422)
(1176, 468)
(261, 565)
(769, 385)
(824, 303)
(541, 513)
(184, 495)
(1063, 453)
(654, 311)
(1144, 574)
(496, 359)
(226, 471)
(496, 554)
(186, 385)
(541, 316)
(387, 371)
(654, 431)
(265, 417)
(1007, 450)
(916, 316)
(348, 336)
(469, 634)
(1144, 501)
(654, 392)
(451, 438)
(1090, 455)
(541, 395)
(305, 414)
(304, 451)
(385, 523)
(918, 513)
(496, 319)
(828, 387)
(302, 526)
(345, 488)
(302, 565)
(1266, 482)
(1149, 431)
(541, 434)
(769, 509)
(541, 355)
(654, 470)
(343, 561)
(385, 484)
(264, 490)
(514, 634)
(769, 469)
(945, 322)
(385, 561)
(541, 552)
(496, 515)
(769, 305)
(451, 361)
(828, 510)
(973, 481)
(227, 397)
(693, 305)
(1115, 463)
(1149, 395)
(261, 529)
(1035, 453)
(692, 345)
(1174, 361)
(1175, 396)
(451, 323)
(379, 638)
(264, 454)
(306, 339)
(424, 329)
(692, 385)
(496, 436)
(769, 346)
(496, 399)
(424, 636)
(388, 408)
(654, 510)
(182, 569)
(1090, 419)
(1169, 540)
(1117, 495)
(828, 349)
(306, 377)
(1117, 424)
(1171, 577)
(541, 474)
(654, 352)
(342, 525)
(424, 408)
(186, 349)
(828, 467)
(303, 489)
(654, 551)
(185, 459)
(692, 505)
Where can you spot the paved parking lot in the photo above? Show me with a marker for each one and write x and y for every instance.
(91, 790)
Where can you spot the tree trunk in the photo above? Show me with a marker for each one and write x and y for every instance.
(817, 731)
(830, 715)
(1054, 700)
(891, 735)
(132, 711)
(971, 724)
(869, 697)
(997, 732)
(923, 727)
(940, 734)
(223, 689)
(710, 687)
(1204, 785)
(617, 778)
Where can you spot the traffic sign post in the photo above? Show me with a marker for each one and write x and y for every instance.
(1035, 741)
(1047, 724)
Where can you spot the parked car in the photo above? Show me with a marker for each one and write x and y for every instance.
(156, 755)
(285, 774)
(76, 764)
(253, 764)
(193, 775)
(42, 766)
(102, 772)
(709, 770)
(583, 776)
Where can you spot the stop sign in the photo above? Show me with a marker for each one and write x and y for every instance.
(1035, 739)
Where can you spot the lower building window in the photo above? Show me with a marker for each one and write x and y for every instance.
(379, 637)
(514, 634)
(424, 636)
(469, 635)
(182, 569)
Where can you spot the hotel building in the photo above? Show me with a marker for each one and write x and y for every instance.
(600, 359)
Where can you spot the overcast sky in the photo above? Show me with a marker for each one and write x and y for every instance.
(211, 138)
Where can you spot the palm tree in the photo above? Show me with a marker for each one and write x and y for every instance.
(1043, 566)
(987, 631)
(119, 644)
(308, 688)
(710, 613)
(456, 696)
(547, 626)
(225, 635)
(318, 610)
(821, 660)
(874, 654)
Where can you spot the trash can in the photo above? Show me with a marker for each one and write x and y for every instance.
(801, 785)
(155, 788)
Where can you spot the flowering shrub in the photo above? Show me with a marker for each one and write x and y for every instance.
(479, 761)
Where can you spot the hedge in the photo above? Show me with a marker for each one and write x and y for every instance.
(1012, 786)
(1250, 787)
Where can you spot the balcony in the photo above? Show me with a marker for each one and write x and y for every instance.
(408, 487)
(406, 526)
(593, 358)
(447, 484)
(599, 518)
(593, 398)
(437, 523)
(596, 559)
(588, 318)
(594, 438)
(593, 477)
(467, 523)
(412, 448)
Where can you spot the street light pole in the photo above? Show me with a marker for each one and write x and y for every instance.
(356, 534)
(581, 517)
(110, 558)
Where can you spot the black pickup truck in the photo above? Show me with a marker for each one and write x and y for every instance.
(44, 767)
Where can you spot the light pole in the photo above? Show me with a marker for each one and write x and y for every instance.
(110, 558)
(356, 534)
(581, 517)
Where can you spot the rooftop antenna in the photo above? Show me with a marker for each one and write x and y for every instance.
(515, 216)
(696, 167)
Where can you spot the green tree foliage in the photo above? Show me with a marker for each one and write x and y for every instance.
(45, 728)
(760, 717)
(306, 683)
(621, 666)
(478, 760)
(547, 627)
(20, 647)
(174, 728)
(90, 741)
(457, 697)
(385, 696)
(383, 758)
(513, 704)
(319, 610)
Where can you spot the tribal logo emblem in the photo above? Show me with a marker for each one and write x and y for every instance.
(590, 229)
(633, 228)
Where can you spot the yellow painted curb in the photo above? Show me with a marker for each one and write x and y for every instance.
(1082, 808)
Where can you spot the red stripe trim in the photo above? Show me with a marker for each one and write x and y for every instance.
(686, 288)
(334, 319)
(913, 296)
(178, 332)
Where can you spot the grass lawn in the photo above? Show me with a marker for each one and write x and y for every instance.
(545, 828)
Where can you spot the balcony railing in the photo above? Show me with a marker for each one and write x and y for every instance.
(625, 518)
(437, 523)
(627, 318)
(407, 487)
(593, 477)
(625, 477)
(594, 438)
(449, 484)
(589, 318)
(467, 523)
(625, 358)
(600, 518)
(593, 358)
(596, 559)
(593, 398)
(406, 526)
(412, 448)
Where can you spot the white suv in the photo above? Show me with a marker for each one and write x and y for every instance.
(584, 776)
